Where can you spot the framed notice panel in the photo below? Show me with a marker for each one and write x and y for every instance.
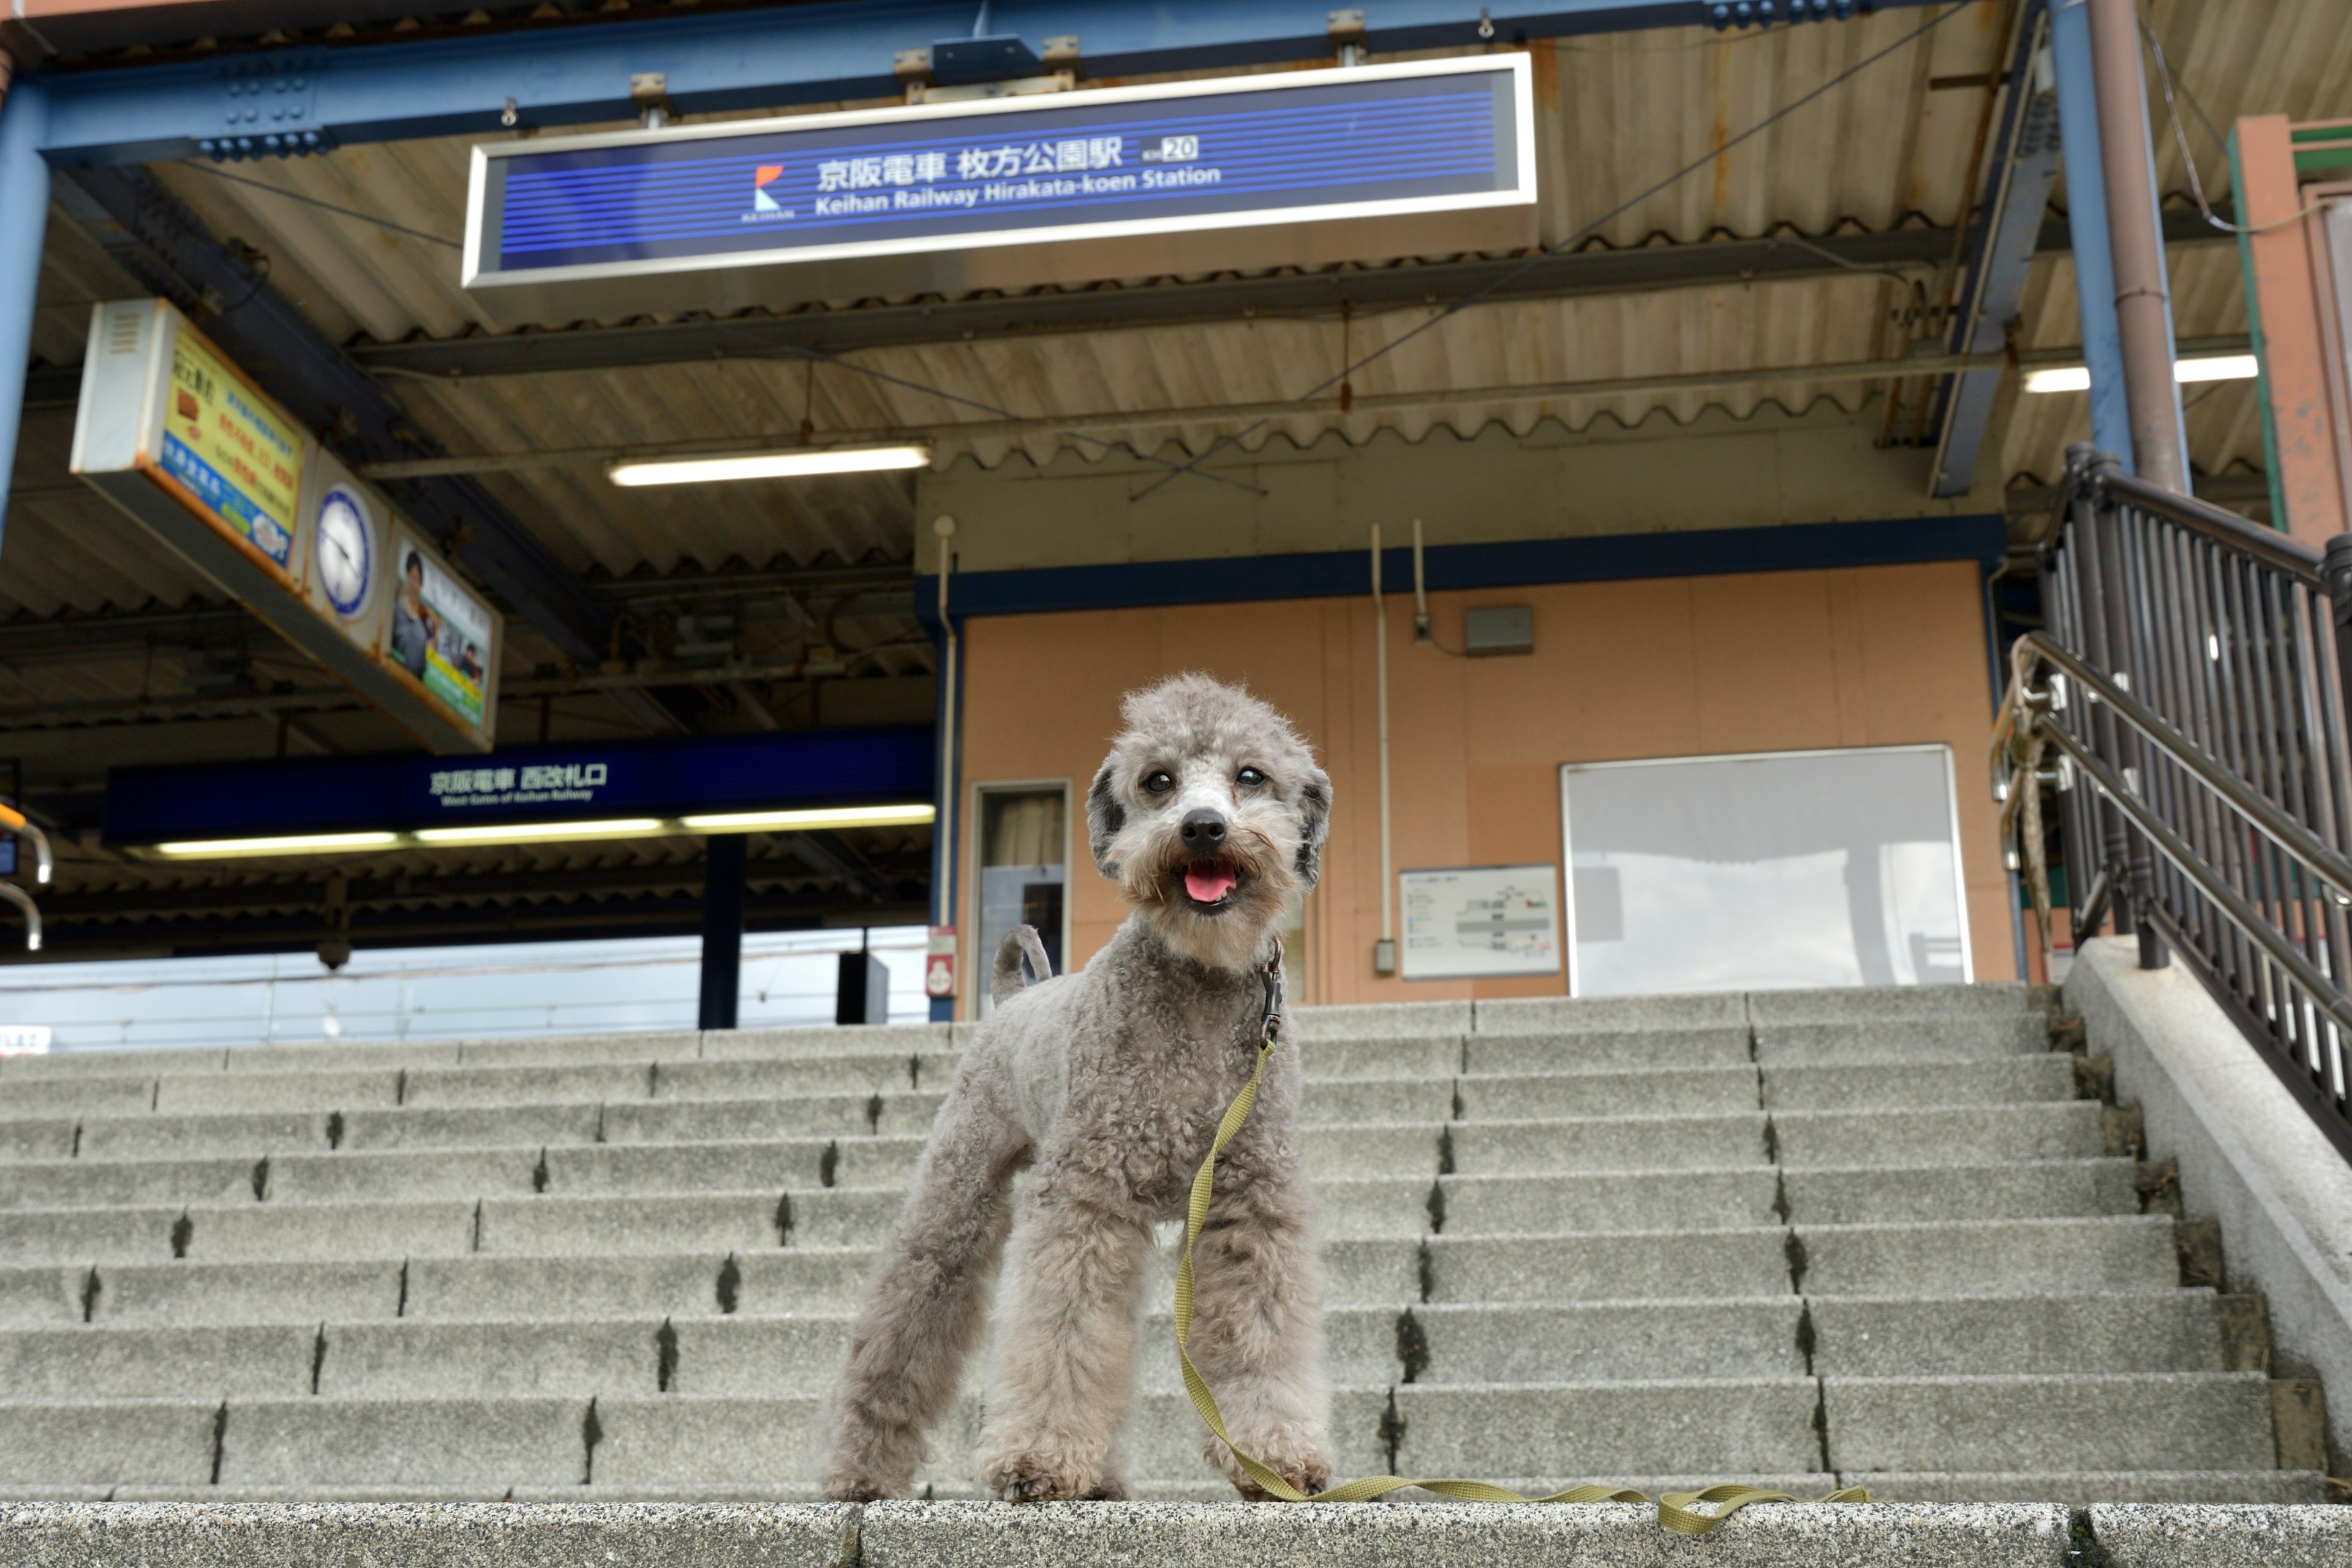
(1472, 920)
(182, 439)
(1297, 168)
(1762, 871)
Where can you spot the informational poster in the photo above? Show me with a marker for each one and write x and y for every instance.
(1472, 920)
(440, 631)
(236, 458)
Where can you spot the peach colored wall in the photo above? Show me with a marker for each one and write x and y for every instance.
(1666, 667)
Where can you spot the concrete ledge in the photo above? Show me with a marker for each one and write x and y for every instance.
(1101, 1535)
(2249, 1155)
(2146, 1535)
(459, 1535)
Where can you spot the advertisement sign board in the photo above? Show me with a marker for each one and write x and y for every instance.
(235, 458)
(1299, 168)
(173, 433)
(439, 633)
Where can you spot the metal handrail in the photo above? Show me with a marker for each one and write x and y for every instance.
(2333, 868)
(2324, 991)
(2205, 773)
(2280, 551)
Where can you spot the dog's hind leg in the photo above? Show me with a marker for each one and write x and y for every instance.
(1061, 1371)
(1258, 1337)
(926, 1299)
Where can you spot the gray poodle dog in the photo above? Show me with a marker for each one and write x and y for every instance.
(1107, 1087)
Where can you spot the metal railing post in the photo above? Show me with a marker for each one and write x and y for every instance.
(2338, 571)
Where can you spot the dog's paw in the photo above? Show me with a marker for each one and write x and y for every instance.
(1034, 1488)
(1308, 1477)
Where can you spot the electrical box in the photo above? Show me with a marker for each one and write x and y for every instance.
(1498, 629)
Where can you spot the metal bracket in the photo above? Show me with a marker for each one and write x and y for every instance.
(269, 109)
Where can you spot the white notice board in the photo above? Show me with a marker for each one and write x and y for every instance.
(1468, 920)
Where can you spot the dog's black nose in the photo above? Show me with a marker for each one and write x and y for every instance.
(1204, 830)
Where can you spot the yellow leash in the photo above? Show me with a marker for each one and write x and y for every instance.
(1674, 1509)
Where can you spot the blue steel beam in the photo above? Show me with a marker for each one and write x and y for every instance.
(2009, 228)
(24, 214)
(743, 60)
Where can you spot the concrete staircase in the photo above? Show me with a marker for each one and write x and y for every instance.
(1796, 1238)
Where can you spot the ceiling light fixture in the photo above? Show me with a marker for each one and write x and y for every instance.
(803, 821)
(2209, 367)
(508, 832)
(795, 464)
(286, 843)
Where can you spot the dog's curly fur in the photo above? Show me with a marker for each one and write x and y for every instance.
(1108, 1086)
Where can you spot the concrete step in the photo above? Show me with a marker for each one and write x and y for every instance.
(1559, 1016)
(1608, 1050)
(2170, 1488)
(1608, 1143)
(1596, 1342)
(714, 1439)
(1597, 1201)
(2171, 1421)
(2109, 1331)
(1969, 1134)
(1987, 1257)
(2021, 1189)
(1534, 1269)
(1900, 1003)
(37, 1138)
(192, 1292)
(1686, 1091)
(105, 1443)
(1720, 1425)
(1900, 1042)
(1996, 1080)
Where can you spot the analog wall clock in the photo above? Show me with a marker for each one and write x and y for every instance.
(345, 551)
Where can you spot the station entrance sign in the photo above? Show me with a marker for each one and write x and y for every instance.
(1304, 168)
(174, 434)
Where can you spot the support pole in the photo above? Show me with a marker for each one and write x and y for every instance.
(2087, 222)
(723, 875)
(1384, 951)
(943, 822)
(2143, 302)
(24, 220)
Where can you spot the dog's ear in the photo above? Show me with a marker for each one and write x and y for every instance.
(1314, 819)
(1105, 817)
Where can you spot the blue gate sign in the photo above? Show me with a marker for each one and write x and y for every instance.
(1176, 161)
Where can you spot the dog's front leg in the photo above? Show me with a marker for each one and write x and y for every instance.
(1257, 1327)
(1062, 1362)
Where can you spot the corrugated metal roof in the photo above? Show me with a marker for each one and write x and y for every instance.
(1618, 113)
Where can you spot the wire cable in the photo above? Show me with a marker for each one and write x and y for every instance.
(324, 206)
(1590, 229)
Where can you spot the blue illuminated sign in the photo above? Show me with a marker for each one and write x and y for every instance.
(1436, 136)
(535, 783)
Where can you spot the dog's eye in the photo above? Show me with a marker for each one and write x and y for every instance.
(1249, 778)
(1160, 782)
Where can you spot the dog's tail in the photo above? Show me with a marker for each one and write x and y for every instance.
(1020, 943)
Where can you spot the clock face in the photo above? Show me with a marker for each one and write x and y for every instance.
(345, 551)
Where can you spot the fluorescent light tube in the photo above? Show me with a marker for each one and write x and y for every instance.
(288, 844)
(827, 816)
(2211, 367)
(546, 832)
(2059, 378)
(2217, 367)
(795, 464)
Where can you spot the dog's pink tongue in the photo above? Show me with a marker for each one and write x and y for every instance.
(1208, 881)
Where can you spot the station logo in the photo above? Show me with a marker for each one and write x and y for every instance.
(763, 176)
